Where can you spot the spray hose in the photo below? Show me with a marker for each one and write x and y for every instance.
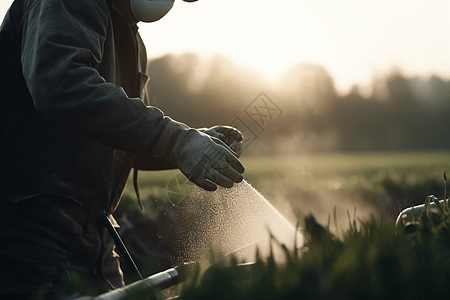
(161, 281)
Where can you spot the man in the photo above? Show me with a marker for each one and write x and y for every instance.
(74, 120)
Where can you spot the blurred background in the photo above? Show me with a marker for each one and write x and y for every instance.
(347, 75)
(342, 104)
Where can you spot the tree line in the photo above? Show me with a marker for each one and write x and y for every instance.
(401, 113)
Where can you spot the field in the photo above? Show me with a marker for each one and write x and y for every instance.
(346, 255)
(304, 184)
(360, 256)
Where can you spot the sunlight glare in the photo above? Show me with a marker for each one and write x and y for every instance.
(269, 41)
(353, 40)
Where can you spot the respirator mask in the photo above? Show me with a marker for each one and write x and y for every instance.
(152, 10)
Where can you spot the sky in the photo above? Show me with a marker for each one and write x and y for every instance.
(354, 40)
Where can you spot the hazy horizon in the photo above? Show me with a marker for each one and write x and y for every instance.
(353, 40)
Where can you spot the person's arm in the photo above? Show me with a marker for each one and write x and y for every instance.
(63, 45)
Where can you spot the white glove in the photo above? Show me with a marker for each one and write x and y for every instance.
(205, 160)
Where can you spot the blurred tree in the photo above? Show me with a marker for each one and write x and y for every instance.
(358, 121)
(180, 88)
(402, 113)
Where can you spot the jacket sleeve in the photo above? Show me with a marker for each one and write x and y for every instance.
(63, 43)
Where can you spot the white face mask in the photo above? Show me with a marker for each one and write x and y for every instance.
(150, 10)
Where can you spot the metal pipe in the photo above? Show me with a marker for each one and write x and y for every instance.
(120, 245)
(162, 280)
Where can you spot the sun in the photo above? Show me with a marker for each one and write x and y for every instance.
(266, 38)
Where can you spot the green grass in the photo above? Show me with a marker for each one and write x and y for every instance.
(316, 183)
(319, 172)
(367, 258)
(376, 261)
(323, 172)
(372, 261)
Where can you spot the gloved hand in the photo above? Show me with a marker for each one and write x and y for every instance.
(205, 160)
(227, 134)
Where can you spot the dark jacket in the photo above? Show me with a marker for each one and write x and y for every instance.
(72, 122)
